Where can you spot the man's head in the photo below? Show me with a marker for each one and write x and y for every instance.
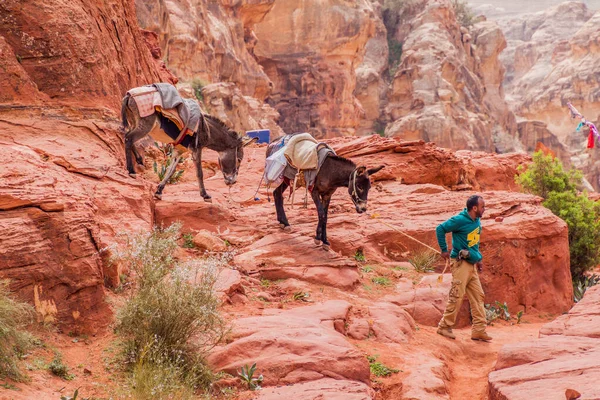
(476, 206)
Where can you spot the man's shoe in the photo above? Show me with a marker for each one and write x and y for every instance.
(483, 336)
(447, 332)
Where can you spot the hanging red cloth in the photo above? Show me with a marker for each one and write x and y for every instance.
(590, 144)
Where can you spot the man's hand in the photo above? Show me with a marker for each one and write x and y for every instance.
(445, 255)
(479, 266)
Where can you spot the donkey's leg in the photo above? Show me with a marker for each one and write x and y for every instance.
(326, 199)
(141, 128)
(138, 158)
(278, 197)
(317, 199)
(167, 176)
(128, 151)
(200, 175)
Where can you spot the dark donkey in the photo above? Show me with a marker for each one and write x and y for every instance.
(335, 172)
(212, 133)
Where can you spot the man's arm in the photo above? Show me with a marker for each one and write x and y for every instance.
(442, 229)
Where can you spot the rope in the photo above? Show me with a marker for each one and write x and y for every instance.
(441, 277)
(408, 236)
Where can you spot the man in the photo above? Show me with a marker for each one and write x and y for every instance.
(465, 262)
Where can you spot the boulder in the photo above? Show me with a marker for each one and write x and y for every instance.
(293, 346)
(564, 360)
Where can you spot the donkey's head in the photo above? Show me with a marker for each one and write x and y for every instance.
(231, 158)
(359, 186)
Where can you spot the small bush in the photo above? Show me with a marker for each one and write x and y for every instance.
(464, 14)
(498, 310)
(546, 177)
(265, 283)
(359, 255)
(197, 86)
(171, 320)
(188, 241)
(583, 283)
(394, 56)
(58, 368)
(381, 280)
(14, 340)
(379, 369)
(519, 316)
(246, 374)
(161, 169)
(424, 260)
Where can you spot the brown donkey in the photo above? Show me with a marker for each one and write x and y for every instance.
(335, 172)
(212, 133)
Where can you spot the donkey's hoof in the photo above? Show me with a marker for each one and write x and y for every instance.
(208, 199)
(326, 247)
(158, 196)
(133, 175)
(317, 242)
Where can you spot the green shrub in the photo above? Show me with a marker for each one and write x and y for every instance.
(197, 86)
(379, 369)
(14, 340)
(359, 255)
(58, 368)
(464, 14)
(160, 169)
(381, 280)
(546, 174)
(582, 216)
(246, 374)
(188, 241)
(583, 283)
(171, 320)
(546, 177)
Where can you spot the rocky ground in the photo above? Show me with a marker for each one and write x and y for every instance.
(309, 318)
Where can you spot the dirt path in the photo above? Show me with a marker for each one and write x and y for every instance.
(469, 362)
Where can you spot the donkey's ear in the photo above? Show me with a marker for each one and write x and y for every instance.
(361, 170)
(246, 140)
(371, 171)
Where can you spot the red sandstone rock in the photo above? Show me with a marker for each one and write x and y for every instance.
(204, 240)
(63, 197)
(326, 388)
(229, 281)
(358, 329)
(293, 346)
(565, 357)
(64, 193)
(391, 324)
(89, 56)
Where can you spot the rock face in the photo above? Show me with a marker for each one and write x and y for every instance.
(209, 41)
(310, 51)
(98, 56)
(565, 357)
(243, 113)
(64, 193)
(550, 59)
(532, 41)
(448, 86)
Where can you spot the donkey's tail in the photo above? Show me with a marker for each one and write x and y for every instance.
(124, 112)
